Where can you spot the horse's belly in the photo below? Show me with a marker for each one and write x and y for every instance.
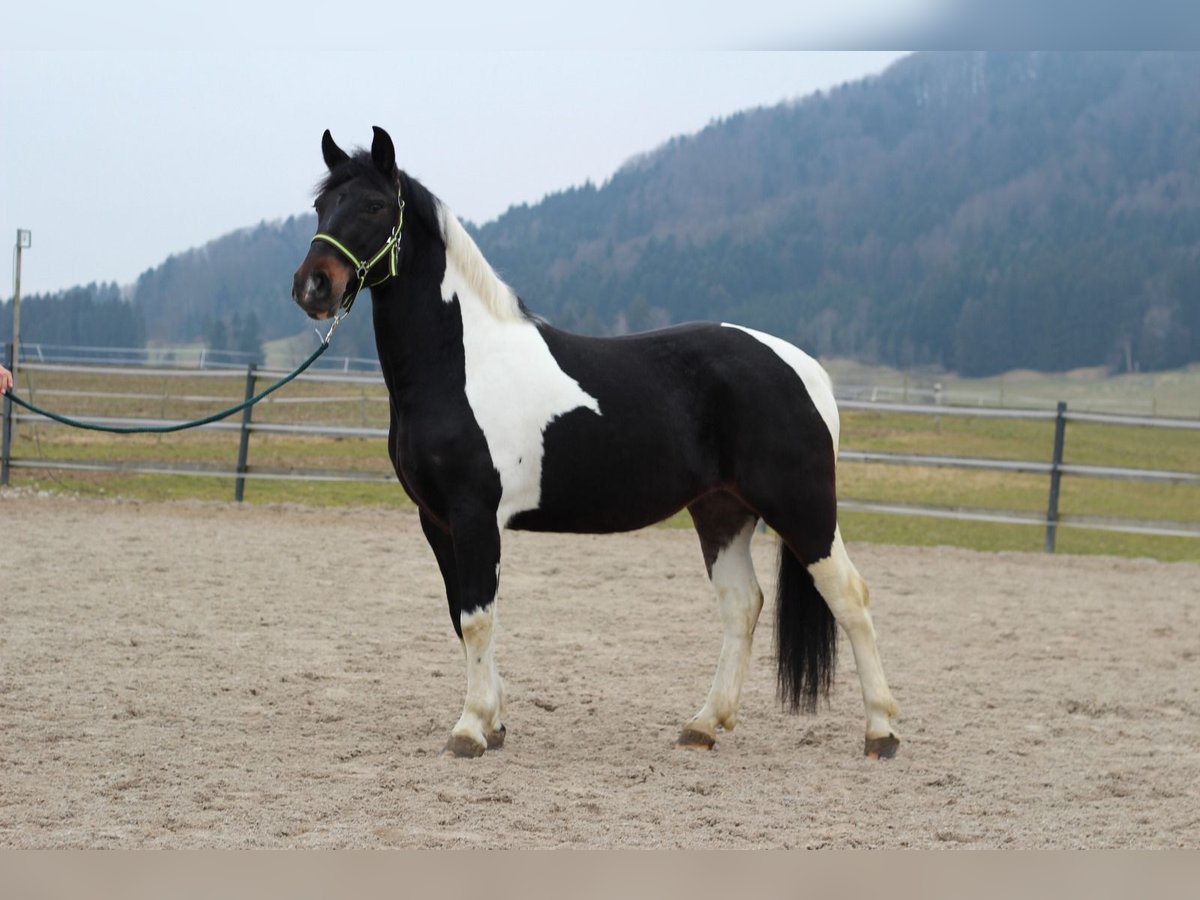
(597, 477)
(607, 518)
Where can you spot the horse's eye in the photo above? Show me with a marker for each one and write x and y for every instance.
(374, 207)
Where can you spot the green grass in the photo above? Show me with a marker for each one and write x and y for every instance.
(1014, 439)
(919, 531)
(886, 432)
(366, 406)
(1085, 443)
(1175, 393)
(1005, 439)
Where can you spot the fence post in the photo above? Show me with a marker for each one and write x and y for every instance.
(1060, 427)
(6, 452)
(239, 488)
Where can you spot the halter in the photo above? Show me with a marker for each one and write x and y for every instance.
(391, 247)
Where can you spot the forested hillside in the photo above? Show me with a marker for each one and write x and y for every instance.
(246, 273)
(982, 211)
(96, 316)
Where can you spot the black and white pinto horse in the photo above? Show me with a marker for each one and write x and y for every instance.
(499, 420)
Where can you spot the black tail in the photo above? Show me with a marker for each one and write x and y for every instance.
(805, 636)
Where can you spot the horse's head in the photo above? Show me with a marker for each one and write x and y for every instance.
(359, 216)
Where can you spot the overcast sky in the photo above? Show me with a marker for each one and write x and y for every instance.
(125, 137)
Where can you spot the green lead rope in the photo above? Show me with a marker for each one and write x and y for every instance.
(391, 247)
(163, 429)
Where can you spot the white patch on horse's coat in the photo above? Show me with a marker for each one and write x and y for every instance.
(740, 601)
(816, 379)
(474, 268)
(484, 704)
(844, 590)
(513, 384)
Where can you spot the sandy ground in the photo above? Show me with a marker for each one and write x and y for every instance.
(214, 676)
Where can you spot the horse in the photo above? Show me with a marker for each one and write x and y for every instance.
(500, 421)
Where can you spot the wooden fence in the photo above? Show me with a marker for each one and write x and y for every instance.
(1054, 470)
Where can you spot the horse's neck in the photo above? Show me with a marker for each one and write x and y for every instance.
(486, 319)
(412, 326)
(430, 325)
(470, 277)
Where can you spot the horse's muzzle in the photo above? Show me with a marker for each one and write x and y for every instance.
(319, 285)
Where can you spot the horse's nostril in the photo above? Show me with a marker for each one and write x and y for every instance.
(297, 287)
(311, 286)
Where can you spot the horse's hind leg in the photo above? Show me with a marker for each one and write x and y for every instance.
(846, 594)
(725, 526)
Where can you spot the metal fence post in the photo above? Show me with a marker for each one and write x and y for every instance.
(239, 488)
(1060, 427)
(6, 452)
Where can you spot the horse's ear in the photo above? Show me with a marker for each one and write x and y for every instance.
(334, 155)
(383, 152)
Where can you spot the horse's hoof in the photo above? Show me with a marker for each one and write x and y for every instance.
(882, 747)
(691, 739)
(495, 739)
(463, 747)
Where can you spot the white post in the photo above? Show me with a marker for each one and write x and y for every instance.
(24, 240)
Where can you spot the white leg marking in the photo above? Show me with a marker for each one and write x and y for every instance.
(484, 703)
(846, 593)
(740, 600)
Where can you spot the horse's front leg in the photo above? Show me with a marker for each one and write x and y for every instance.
(477, 563)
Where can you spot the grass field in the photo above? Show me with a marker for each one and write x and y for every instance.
(348, 404)
(1085, 444)
(1174, 393)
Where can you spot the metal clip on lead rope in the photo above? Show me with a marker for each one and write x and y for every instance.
(329, 334)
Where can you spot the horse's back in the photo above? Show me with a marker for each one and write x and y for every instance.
(709, 374)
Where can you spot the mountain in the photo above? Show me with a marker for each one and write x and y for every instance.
(981, 211)
(247, 272)
(95, 315)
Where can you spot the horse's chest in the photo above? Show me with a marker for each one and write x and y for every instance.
(494, 428)
(515, 389)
